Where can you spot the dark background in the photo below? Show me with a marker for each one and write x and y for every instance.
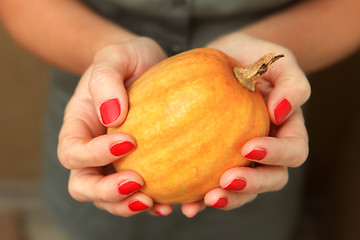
(333, 178)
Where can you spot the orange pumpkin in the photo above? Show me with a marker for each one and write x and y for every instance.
(190, 117)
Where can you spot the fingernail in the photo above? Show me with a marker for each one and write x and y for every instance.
(159, 213)
(121, 148)
(136, 206)
(237, 184)
(256, 154)
(281, 111)
(128, 187)
(110, 110)
(221, 203)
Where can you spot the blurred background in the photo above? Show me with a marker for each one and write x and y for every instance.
(23, 98)
(331, 208)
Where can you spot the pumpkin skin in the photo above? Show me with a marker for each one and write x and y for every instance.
(190, 117)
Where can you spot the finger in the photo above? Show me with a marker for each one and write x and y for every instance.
(190, 210)
(256, 180)
(82, 142)
(160, 209)
(291, 88)
(227, 200)
(289, 148)
(76, 151)
(114, 65)
(106, 83)
(134, 204)
(90, 185)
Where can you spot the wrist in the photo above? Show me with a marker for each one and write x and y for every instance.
(113, 37)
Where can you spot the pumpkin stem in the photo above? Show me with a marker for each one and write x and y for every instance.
(248, 76)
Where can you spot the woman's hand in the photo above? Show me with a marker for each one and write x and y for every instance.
(285, 89)
(100, 100)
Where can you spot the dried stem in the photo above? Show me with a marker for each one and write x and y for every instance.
(248, 76)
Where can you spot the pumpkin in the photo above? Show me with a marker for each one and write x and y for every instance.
(190, 117)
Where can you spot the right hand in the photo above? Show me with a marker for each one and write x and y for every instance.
(99, 101)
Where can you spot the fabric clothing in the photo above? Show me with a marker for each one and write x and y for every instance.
(176, 25)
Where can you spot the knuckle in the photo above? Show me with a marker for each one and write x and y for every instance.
(296, 163)
(304, 89)
(254, 187)
(301, 157)
(119, 211)
(241, 201)
(95, 156)
(64, 155)
(61, 154)
(68, 107)
(251, 198)
(282, 183)
(229, 208)
(100, 197)
(257, 188)
(74, 193)
(127, 214)
(101, 75)
(290, 54)
(100, 194)
(99, 205)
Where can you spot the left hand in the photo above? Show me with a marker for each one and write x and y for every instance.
(285, 89)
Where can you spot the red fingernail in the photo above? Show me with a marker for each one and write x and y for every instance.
(256, 154)
(237, 184)
(159, 213)
(121, 148)
(136, 206)
(110, 110)
(281, 111)
(222, 202)
(128, 187)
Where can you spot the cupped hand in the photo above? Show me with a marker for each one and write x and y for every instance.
(99, 101)
(285, 89)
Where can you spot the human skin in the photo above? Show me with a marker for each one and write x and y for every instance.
(313, 34)
(325, 31)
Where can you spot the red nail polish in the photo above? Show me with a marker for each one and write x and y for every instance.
(256, 154)
(159, 213)
(110, 110)
(118, 149)
(128, 187)
(237, 184)
(281, 111)
(136, 206)
(221, 203)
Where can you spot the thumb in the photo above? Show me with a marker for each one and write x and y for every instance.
(115, 67)
(111, 67)
(291, 89)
